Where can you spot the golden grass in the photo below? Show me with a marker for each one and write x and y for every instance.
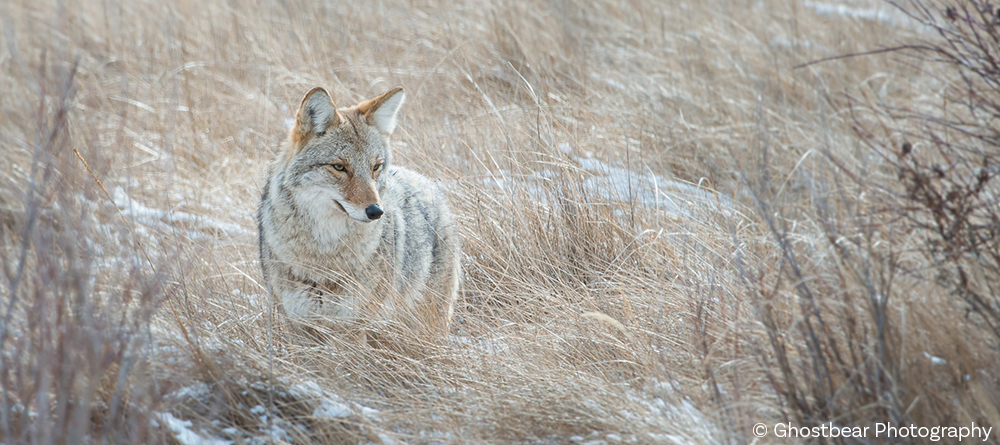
(632, 180)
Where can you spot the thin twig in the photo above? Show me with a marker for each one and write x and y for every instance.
(848, 56)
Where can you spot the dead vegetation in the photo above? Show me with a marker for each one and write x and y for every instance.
(670, 232)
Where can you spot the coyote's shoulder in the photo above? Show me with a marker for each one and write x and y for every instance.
(347, 235)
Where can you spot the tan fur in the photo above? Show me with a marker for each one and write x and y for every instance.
(303, 129)
(367, 107)
(361, 190)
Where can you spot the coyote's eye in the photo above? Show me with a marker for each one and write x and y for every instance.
(377, 167)
(338, 167)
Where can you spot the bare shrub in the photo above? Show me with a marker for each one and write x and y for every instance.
(899, 306)
(947, 158)
(74, 336)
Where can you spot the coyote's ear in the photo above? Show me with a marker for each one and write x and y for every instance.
(381, 111)
(316, 113)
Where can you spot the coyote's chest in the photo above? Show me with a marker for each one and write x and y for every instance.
(340, 252)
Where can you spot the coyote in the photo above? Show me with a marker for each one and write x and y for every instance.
(347, 236)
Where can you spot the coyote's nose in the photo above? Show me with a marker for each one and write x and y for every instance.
(373, 212)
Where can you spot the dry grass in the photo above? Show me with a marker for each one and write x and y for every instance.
(670, 234)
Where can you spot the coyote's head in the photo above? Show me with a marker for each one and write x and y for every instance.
(335, 158)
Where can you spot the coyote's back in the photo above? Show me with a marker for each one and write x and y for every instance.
(346, 235)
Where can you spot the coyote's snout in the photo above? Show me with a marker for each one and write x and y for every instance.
(347, 235)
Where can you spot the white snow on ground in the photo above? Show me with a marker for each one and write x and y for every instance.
(882, 14)
(198, 391)
(331, 409)
(165, 220)
(182, 431)
(649, 190)
(617, 183)
(671, 412)
(331, 405)
(276, 433)
(936, 360)
(272, 428)
(309, 390)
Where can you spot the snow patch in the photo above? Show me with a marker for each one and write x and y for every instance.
(331, 405)
(198, 391)
(199, 227)
(649, 190)
(936, 360)
(619, 184)
(182, 431)
(668, 411)
(887, 15)
(331, 409)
